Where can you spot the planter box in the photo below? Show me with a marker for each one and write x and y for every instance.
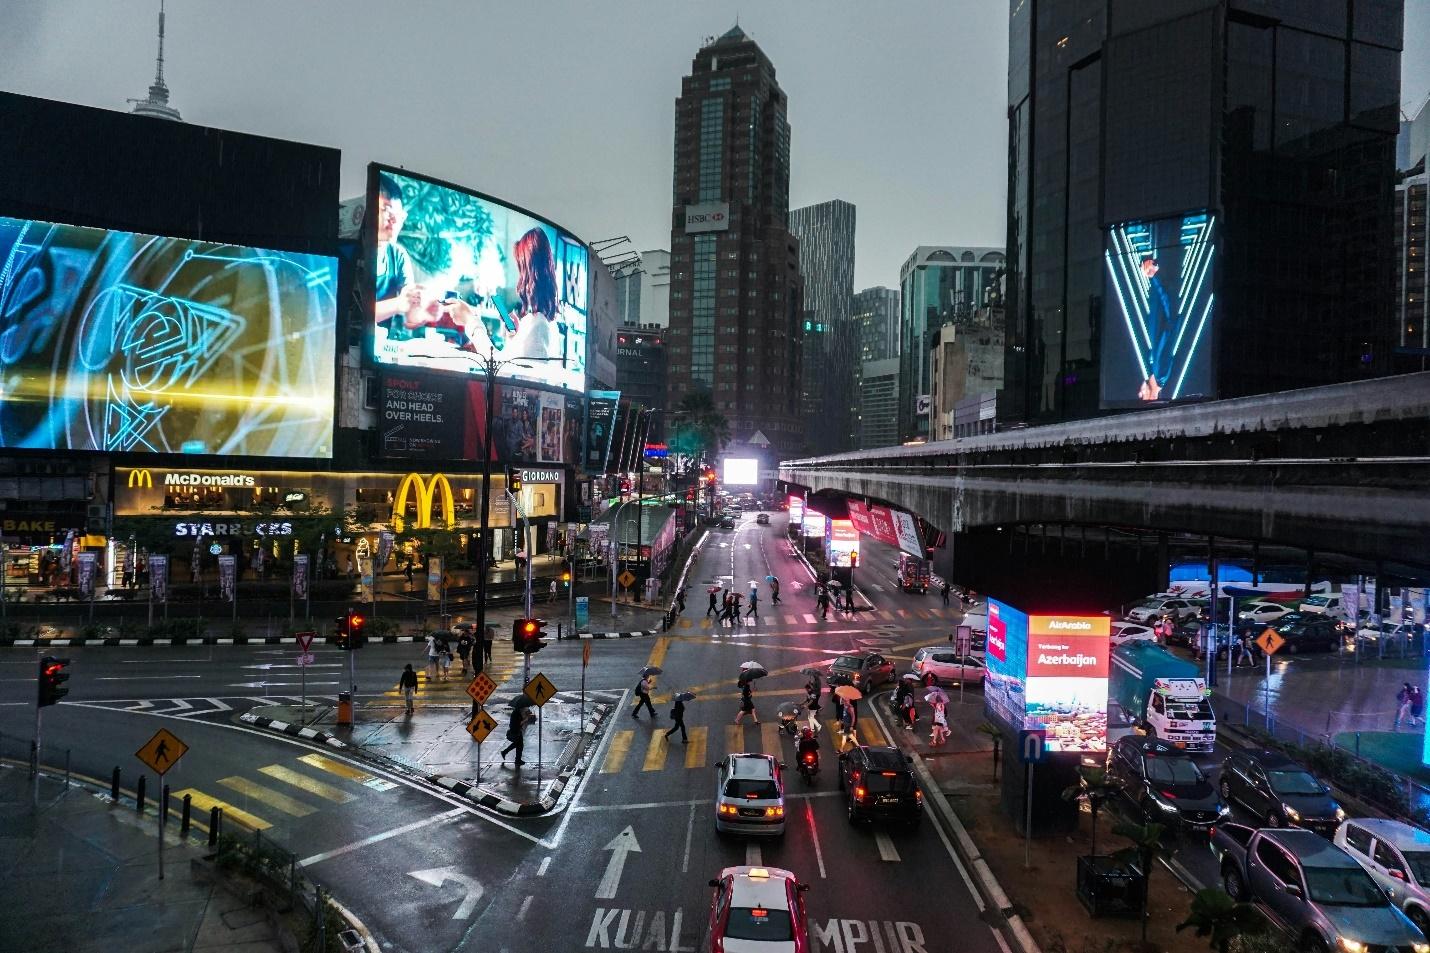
(1108, 887)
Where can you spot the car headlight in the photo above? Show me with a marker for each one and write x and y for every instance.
(1352, 946)
(1164, 805)
(1340, 816)
(1420, 947)
(1291, 812)
(1223, 810)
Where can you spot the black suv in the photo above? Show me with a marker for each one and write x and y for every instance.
(1304, 631)
(1273, 787)
(1164, 782)
(880, 784)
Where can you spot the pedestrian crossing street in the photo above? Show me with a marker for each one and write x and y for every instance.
(783, 618)
(649, 749)
(505, 661)
(289, 789)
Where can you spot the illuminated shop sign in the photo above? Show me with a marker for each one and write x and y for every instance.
(233, 529)
(541, 476)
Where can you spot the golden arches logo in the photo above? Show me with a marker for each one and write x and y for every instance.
(141, 478)
(424, 490)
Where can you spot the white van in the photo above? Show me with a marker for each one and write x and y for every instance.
(1325, 603)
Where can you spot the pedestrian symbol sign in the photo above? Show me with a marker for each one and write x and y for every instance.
(626, 579)
(162, 751)
(481, 725)
(1270, 641)
(481, 688)
(539, 689)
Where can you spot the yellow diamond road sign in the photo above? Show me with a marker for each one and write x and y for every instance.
(1270, 641)
(481, 725)
(539, 689)
(626, 579)
(481, 688)
(162, 751)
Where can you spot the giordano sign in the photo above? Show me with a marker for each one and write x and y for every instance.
(425, 490)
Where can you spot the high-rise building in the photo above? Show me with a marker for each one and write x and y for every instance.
(1199, 199)
(156, 104)
(643, 288)
(878, 421)
(938, 285)
(829, 361)
(640, 370)
(736, 297)
(1412, 242)
(967, 360)
(876, 313)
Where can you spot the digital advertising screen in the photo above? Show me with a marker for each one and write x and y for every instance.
(1161, 310)
(120, 341)
(796, 510)
(600, 426)
(458, 276)
(842, 543)
(1007, 661)
(741, 472)
(436, 417)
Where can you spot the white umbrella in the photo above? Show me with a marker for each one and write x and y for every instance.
(750, 664)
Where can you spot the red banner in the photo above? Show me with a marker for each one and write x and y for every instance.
(859, 516)
(997, 634)
(881, 525)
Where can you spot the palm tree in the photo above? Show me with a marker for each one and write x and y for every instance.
(1146, 848)
(1094, 787)
(1221, 919)
(700, 429)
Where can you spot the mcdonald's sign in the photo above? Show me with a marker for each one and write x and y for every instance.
(141, 478)
(425, 490)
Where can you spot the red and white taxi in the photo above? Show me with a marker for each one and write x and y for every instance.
(758, 910)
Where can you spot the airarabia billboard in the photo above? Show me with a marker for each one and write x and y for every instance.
(1049, 672)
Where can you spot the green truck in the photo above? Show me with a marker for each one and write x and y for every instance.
(1163, 695)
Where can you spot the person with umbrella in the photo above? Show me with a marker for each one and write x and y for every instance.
(849, 717)
(521, 716)
(749, 671)
(774, 589)
(677, 714)
(940, 725)
(643, 689)
(754, 603)
(812, 691)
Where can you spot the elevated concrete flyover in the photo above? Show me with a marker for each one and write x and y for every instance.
(1341, 469)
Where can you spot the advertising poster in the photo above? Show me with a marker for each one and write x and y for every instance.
(300, 576)
(1160, 293)
(859, 516)
(796, 510)
(1066, 689)
(227, 577)
(123, 342)
(458, 276)
(881, 524)
(431, 417)
(551, 442)
(1350, 601)
(385, 540)
(600, 425)
(843, 543)
(434, 578)
(159, 578)
(365, 577)
(813, 525)
(86, 565)
(908, 534)
(1007, 662)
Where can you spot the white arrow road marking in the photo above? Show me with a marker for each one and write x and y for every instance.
(437, 876)
(621, 845)
(887, 851)
(753, 857)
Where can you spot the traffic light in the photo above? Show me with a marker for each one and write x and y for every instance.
(340, 631)
(710, 477)
(513, 480)
(52, 679)
(348, 629)
(566, 579)
(526, 635)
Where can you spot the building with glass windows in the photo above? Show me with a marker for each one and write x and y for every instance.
(736, 296)
(876, 313)
(643, 290)
(877, 419)
(1200, 199)
(1412, 243)
(829, 359)
(938, 285)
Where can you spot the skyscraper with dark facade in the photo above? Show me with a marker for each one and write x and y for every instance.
(830, 351)
(876, 312)
(1199, 199)
(736, 297)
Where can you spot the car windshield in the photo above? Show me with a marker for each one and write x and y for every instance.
(890, 783)
(1190, 711)
(751, 789)
(1172, 771)
(759, 923)
(1419, 862)
(1293, 782)
(847, 661)
(1318, 601)
(1150, 604)
(1343, 887)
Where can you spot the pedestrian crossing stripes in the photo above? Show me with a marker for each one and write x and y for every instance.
(505, 661)
(768, 619)
(257, 806)
(654, 749)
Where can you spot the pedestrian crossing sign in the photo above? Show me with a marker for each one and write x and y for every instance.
(539, 689)
(1270, 641)
(481, 725)
(162, 751)
(626, 579)
(481, 688)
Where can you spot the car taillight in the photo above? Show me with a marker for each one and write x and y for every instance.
(809, 758)
(1168, 795)
(774, 812)
(854, 776)
(729, 809)
(859, 794)
(918, 795)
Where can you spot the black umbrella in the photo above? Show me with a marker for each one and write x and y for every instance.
(652, 670)
(685, 697)
(790, 710)
(519, 701)
(750, 674)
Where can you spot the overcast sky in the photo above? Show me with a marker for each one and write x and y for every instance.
(567, 106)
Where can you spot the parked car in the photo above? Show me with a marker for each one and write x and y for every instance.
(1164, 782)
(864, 672)
(763, 519)
(749, 795)
(1324, 603)
(1305, 632)
(880, 785)
(1397, 856)
(1391, 632)
(1184, 632)
(1260, 613)
(944, 666)
(1125, 632)
(1150, 610)
(1312, 890)
(759, 909)
(976, 617)
(1279, 791)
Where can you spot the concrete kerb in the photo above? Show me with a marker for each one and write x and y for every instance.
(550, 798)
(80, 641)
(607, 635)
(969, 854)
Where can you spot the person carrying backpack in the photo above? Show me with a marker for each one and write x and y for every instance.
(643, 687)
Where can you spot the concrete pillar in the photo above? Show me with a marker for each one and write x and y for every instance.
(1164, 558)
(1256, 562)
(1310, 571)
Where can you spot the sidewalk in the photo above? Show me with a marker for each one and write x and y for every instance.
(432, 743)
(82, 875)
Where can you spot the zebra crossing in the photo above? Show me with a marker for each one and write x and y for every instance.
(778, 619)
(296, 788)
(648, 749)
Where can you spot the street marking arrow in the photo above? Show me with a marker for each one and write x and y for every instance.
(622, 844)
(438, 876)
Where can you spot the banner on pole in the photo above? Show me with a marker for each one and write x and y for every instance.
(365, 577)
(86, 573)
(385, 540)
(300, 575)
(434, 578)
(227, 573)
(159, 578)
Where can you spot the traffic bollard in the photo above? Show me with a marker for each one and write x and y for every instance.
(114, 786)
(139, 793)
(185, 820)
(214, 817)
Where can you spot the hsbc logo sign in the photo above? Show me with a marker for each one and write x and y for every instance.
(709, 217)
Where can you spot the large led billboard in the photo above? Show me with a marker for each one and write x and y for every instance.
(1161, 311)
(439, 417)
(1049, 672)
(458, 276)
(741, 471)
(125, 342)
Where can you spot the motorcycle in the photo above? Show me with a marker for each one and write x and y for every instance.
(809, 765)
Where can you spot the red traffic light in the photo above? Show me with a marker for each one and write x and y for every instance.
(526, 635)
(355, 621)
